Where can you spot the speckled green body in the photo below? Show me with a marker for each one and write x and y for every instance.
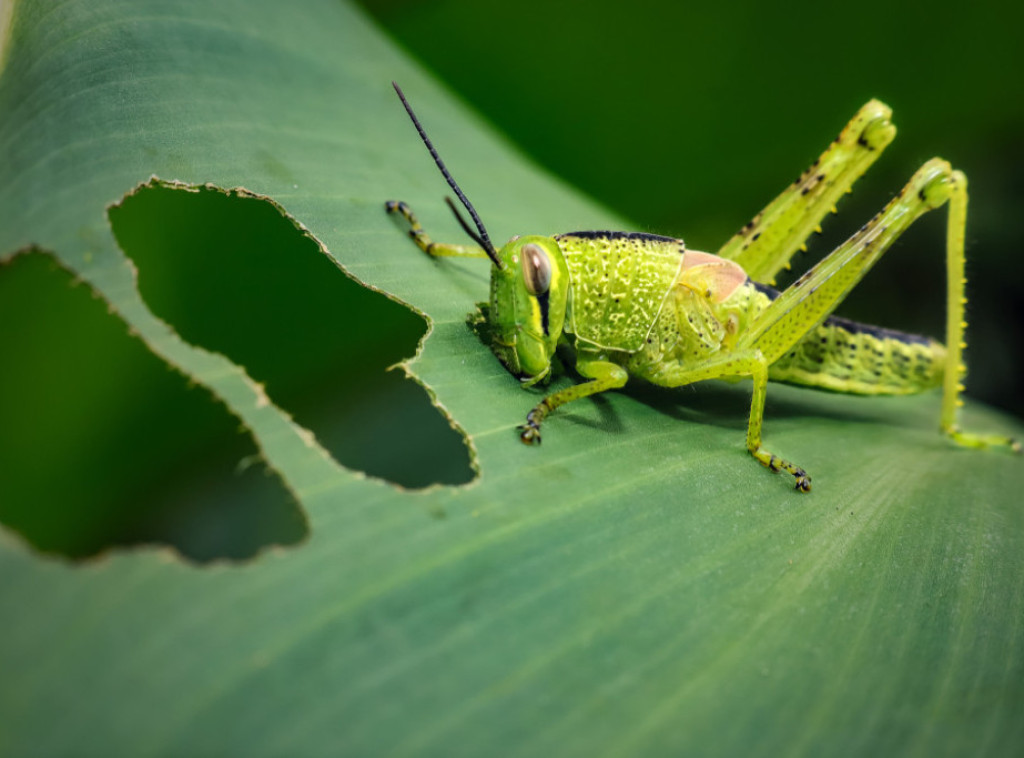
(627, 305)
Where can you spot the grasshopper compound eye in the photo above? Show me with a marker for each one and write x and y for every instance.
(536, 269)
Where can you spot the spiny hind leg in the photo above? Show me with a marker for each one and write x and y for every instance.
(753, 364)
(817, 293)
(766, 244)
(956, 324)
(428, 246)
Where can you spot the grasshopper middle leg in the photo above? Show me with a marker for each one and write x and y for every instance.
(750, 363)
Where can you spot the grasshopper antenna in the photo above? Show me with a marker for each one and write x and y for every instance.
(482, 238)
(466, 228)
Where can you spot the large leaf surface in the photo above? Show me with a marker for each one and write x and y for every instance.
(638, 586)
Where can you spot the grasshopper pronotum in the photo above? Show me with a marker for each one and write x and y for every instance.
(634, 304)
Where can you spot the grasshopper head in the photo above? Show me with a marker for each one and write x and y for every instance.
(528, 302)
(529, 285)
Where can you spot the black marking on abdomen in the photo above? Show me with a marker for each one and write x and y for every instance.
(878, 332)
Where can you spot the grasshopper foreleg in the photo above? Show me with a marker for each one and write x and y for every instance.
(424, 243)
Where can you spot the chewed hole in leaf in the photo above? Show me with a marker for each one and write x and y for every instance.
(104, 445)
(232, 274)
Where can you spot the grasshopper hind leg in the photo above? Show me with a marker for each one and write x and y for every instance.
(811, 299)
(765, 245)
(816, 294)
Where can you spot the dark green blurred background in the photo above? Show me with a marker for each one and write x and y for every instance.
(687, 118)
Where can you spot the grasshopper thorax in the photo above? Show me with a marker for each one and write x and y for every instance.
(529, 291)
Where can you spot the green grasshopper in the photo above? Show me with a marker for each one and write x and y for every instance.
(635, 304)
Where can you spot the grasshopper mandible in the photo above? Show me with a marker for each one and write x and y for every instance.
(635, 304)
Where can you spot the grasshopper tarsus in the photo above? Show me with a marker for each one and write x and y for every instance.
(529, 433)
(777, 465)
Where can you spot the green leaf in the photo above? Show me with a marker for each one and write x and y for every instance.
(638, 586)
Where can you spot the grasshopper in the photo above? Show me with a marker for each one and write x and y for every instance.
(643, 305)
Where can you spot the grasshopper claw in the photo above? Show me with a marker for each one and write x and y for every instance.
(529, 433)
